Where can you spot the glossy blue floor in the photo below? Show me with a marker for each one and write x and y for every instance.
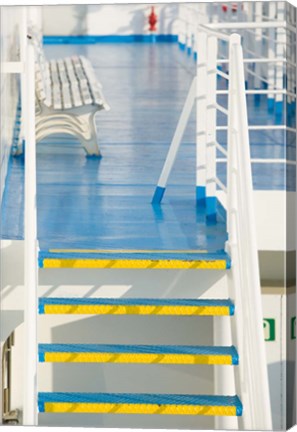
(105, 204)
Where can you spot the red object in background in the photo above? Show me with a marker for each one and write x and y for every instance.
(152, 20)
(234, 7)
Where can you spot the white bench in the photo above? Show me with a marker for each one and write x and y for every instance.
(68, 95)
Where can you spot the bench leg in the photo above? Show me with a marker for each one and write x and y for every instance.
(91, 144)
(81, 126)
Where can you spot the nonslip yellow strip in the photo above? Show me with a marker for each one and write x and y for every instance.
(137, 310)
(71, 357)
(124, 408)
(132, 264)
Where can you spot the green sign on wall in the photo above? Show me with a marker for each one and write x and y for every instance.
(269, 329)
(293, 328)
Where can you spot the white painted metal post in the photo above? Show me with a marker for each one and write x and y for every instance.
(280, 48)
(175, 144)
(291, 44)
(224, 375)
(258, 43)
(211, 101)
(201, 119)
(31, 276)
(23, 51)
(271, 55)
(234, 278)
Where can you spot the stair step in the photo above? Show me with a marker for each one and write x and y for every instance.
(117, 403)
(125, 306)
(125, 259)
(163, 354)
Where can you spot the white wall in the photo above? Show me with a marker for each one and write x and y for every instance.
(119, 19)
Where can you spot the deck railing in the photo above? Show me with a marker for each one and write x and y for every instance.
(30, 232)
(269, 33)
(22, 66)
(251, 378)
(236, 196)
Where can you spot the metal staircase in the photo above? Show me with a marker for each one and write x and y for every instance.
(166, 404)
(251, 403)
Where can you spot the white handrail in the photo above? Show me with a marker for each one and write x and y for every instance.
(251, 25)
(31, 269)
(251, 377)
(252, 381)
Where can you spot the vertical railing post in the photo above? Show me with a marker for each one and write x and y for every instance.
(201, 90)
(31, 275)
(271, 54)
(23, 51)
(258, 43)
(211, 101)
(280, 53)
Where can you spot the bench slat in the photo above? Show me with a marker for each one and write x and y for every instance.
(43, 84)
(75, 91)
(83, 82)
(56, 88)
(95, 86)
(66, 94)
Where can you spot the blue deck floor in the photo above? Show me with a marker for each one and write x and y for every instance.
(105, 204)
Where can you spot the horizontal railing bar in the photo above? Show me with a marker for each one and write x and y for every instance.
(222, 109)
(222, 74)
(261, 60)
(261, 92)
(220, 184)
(263, 161)
(262, 127)
(212, 32)
(221, 149)
(251, 25)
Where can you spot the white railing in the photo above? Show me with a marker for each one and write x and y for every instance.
(24, 65)
(251, 377)
(236, 195)
(31, 247)
(269, 32)
(247, 331)
(30, 230)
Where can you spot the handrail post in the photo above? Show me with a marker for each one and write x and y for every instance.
(31, 271)
(211, 137)
(201, 90)
(281, 40)
(271, 69)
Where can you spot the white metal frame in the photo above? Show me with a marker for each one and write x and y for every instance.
(251, 377)
(26, 68)
(31, 248)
